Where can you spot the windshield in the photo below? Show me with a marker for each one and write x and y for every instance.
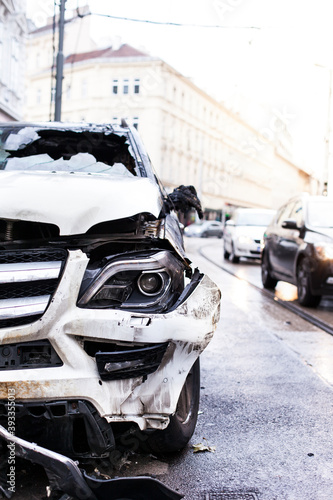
(82, 162)
(65, 151)
(254, 219)
(320, 213)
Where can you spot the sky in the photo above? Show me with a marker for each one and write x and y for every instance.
(267, 57)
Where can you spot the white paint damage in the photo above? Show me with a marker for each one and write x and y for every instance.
(46, 179)
(75, 202)
(188, 328)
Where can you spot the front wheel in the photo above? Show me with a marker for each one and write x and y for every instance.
(305, 297)
(182, 423)
(234, 259)
(267, 280)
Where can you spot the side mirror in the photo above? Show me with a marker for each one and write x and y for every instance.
(289, 224)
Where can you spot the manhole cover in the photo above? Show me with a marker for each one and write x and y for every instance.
(228, 495)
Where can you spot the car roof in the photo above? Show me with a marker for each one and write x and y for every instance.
(82, 126)
(255, 210)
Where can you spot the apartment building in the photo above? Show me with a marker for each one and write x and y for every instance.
(13, 34)
(191, 138)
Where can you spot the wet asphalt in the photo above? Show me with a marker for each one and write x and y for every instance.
(265, 407)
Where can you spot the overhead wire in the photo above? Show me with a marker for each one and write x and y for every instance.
(166, 23)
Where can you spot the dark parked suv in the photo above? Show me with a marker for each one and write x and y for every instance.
(298, 248)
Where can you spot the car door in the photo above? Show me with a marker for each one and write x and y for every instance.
(288, 240)
(293, 241)
(277, 240)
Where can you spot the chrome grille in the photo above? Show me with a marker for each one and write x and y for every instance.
(28, 279)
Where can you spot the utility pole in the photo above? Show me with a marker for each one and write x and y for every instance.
(60, 63)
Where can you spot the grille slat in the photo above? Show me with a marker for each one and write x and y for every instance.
(29, 271)
(28, 279)
(27, 306)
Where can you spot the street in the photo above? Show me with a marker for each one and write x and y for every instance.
(266, 401)
(266, 404)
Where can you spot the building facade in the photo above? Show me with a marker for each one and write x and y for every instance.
(191, 138)
(13, 35)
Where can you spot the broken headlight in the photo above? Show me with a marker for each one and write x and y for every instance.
(139, 281)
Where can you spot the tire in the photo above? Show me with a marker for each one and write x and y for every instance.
(204, 235)
(305, 297)
(267, 279)
(234, 259)
(226, 255)
(182, 423)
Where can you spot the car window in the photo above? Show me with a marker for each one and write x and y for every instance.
(81, 162)
(253, 219)
(285, 213)
(66, 151)
(297, 213)
(319, 213)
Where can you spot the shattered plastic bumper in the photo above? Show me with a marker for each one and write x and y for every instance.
(147, 399)
(65, 476)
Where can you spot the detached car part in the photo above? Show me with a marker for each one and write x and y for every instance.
(65, 476)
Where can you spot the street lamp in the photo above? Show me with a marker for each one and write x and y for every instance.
(328, 173)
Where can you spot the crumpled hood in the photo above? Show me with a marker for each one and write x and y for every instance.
(75, 202)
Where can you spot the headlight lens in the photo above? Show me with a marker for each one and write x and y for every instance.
(151, 284)
(139, 281)
(324, 250)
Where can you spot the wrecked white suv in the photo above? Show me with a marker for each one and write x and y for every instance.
(102, 318)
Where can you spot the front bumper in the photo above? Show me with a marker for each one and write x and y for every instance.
(322, 277)
(248, 250)
(147, 400)
(65, 476)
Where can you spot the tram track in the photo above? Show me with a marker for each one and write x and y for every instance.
(295, 308)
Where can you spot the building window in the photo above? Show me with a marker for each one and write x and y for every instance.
(125, 86)
(137, 86)
(136, 122)
(38, 96)
(115, 87)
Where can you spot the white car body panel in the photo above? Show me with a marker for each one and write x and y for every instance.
(82, 201)
(243, 248)
(244, 239)
(189, 329)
